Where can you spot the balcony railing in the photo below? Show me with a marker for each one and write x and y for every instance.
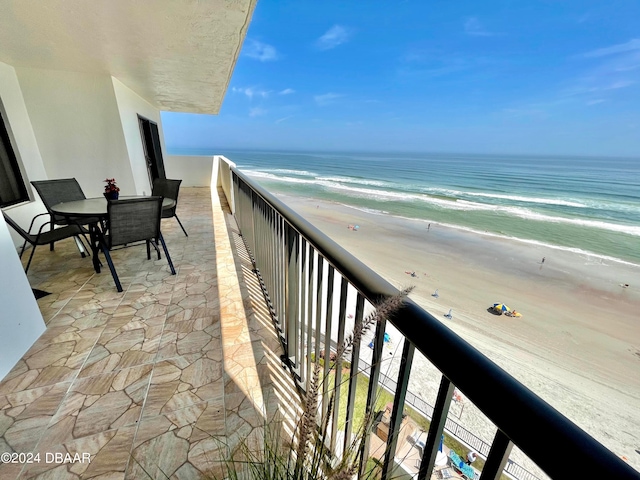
(306, 278)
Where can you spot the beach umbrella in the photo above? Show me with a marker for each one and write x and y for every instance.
(501, 307)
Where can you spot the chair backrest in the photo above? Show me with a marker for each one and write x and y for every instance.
(133, 220)
(21, 231)
(166, 188)
(53, 192)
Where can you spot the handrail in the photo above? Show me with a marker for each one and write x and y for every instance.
(539, 430)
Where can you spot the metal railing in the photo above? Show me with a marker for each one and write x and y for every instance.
(451, 426)
(306, 278)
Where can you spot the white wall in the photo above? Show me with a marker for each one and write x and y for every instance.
(194, 171)
(130, 105)
(20, 319)
(223, 166)
(21, 322)
(24, 144)
(77, 124)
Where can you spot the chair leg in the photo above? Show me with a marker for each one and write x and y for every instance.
(180, 223)
(80, 246)
(33, 250)
(114, 274)
(166, 254)
(24, 245)
(87, 245)
(148, 250)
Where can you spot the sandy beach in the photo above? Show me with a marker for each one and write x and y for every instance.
(577, 344)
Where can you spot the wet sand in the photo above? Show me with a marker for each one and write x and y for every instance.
(577, 344)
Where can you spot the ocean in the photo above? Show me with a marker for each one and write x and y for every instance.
(584, 204)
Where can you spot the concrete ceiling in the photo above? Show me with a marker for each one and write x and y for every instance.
(177, 54)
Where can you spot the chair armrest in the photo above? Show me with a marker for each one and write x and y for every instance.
(34, 219)
(43, 225)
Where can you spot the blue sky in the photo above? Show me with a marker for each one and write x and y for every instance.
(531, 77)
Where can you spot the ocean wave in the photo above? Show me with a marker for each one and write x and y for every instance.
(452, 204)
(357, 181)
(278, 178)
(372, 211)
(527, 241)
(302, 173)
(517, 198)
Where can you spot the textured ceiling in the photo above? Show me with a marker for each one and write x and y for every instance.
(177, 54)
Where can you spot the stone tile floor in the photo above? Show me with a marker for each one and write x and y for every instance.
(153, 382)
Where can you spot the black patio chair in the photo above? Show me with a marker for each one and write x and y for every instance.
(42, 238)
(168, 189)
(56, 191)
(131, 221)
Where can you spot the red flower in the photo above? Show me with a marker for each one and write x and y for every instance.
(111, 186)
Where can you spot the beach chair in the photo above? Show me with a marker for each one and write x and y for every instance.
(446, 473)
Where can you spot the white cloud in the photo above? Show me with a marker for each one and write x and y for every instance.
(595, 102)
(257, 111)
(326, 98)
(287, 91)
(472, 26)
(619, 84)
(633, 44)
(283, 119)
(251, 92)
(335, 36)
(260, 51)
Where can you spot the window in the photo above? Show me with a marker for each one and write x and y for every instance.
(12, 189)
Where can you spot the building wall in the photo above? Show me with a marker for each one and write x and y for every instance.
(24, 144)
(194, 171)
(77, 125)
(20, 320)
(130, 105)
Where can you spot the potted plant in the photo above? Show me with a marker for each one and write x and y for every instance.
(111, 189)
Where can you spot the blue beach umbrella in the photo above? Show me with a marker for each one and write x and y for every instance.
(501, 307)
(387, 338)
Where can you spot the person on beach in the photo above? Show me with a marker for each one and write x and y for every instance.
(542, 259)
(429, 227)
(471, 457)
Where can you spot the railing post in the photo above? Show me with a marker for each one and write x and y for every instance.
(310, 298)
(497, 458)
(327, 342)
(436, 428)
(398, 408)
(338, 380)
(292, 295)
(374, 377)
(353, 374)
(319, 303)
(302, 312)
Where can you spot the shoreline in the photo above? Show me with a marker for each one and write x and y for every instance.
(578, 343)
(472, 231)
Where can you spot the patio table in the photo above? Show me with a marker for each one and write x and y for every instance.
(95, 208)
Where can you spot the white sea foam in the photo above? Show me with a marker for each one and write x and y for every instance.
(460, 205)
(302, 173)
(588, 254)
(372, 211)
(357, 181)
(517, 198)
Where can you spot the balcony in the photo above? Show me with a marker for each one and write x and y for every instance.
(146, 380)
(155, 381)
